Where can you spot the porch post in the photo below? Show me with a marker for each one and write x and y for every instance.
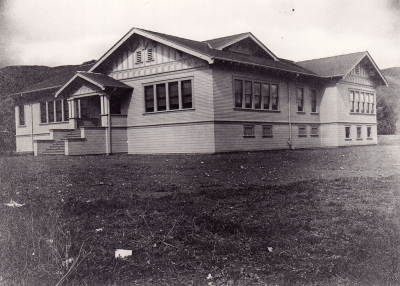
(72, 113)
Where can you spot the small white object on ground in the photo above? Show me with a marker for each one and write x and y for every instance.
(13, 204)
(122, 253)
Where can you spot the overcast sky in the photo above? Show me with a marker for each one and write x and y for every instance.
(48, 32)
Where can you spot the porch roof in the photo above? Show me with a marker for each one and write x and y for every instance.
(100, 80)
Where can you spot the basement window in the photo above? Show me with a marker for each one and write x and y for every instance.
(248, 131)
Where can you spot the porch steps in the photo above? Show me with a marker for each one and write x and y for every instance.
(58, 147)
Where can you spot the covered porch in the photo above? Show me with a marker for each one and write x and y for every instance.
(98, 107)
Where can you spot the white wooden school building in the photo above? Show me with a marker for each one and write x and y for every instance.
(156, 93)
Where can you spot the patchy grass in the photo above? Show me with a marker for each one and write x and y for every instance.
(314, 217)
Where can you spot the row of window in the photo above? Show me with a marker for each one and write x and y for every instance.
(54, 111)
(359, 132)
(255, 95)
(169, 95)
(248, 131)
(361, 102)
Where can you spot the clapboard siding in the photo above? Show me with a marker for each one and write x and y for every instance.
(229, 137)
(224, 98)
(187, 138)
(344, 114)
(119, 140)
(94, 143)
(202, 100)
(24, 144)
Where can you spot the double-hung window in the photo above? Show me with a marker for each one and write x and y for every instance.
(170, 95)
(300, 99)
(359, 132)
(361, 102)
(21, 114)
(255, 95)
(347, 132)
(313, 100)
(54, 111)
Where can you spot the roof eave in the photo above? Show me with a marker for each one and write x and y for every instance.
(154, 38)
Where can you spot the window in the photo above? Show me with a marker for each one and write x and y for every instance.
(161, 97)
(300, 99)
(357, 101)
(238, 93)
(347, 132)
(313, 100)
(351, 101)
(361, 102)
(150, 55)
(54, 111)
(21, 113)
(248, 94)
(302, 131)
(149, 98)
(248, 131)
(50, 111)
(267, 130)
(139, 57)
(43, 112)
(66, 110)
(58, 104)
(314, 131)
(274, 95)
(186, 94)
(359, 132)
(266, 95)
(173, 95)
(255, 95)
(369, 131)
(169, 96)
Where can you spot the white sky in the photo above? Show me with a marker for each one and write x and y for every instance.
(49, 32)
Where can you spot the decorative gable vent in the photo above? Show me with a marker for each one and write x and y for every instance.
(357, 69)
(150, 54)
(138, 57)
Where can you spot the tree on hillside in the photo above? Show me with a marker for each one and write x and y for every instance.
(386, 117)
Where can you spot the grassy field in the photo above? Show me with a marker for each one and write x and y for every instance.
(303, 217)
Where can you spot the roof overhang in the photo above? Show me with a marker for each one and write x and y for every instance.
(153, 37)
(98, 82)
(373, 64)
(251, 36)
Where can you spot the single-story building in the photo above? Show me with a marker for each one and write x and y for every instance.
(156, 93)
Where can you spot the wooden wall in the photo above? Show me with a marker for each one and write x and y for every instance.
(176, 138)
(94, 143)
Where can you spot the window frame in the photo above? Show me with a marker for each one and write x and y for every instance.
(359, 132)
(249, 127)
(300, 109)
(21, 115)
(347, 135)
(363, 103)
(168, 84)
(313, 92)
(53, 107)
(369, 132)
(314, 134)
(299, 132)
(267, 127)
(240, 96)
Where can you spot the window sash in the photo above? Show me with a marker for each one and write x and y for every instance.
(173, 94)
(248, 94)
(300, 98)
(66, 110)
(21, 114)
(248, 131)
(50, 111)
(161, 97)
(187, 100)
(266, 95)
(274, 95)
(58, 107)
(267, 131)
(149, 98)
(358, 132)
(347, 129)
(257, 95)
(313, 100)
